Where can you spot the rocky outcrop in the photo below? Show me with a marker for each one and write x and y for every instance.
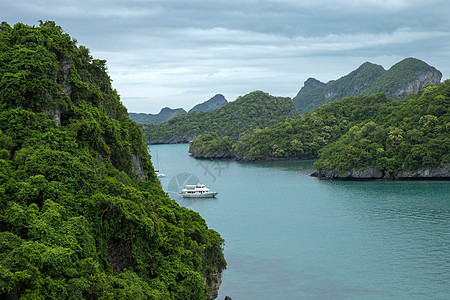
(310, 85)
(65, 66)
(138, 168)
(214, 285)
(173, 140)
(441, 172)
(119, 254)
(372, 173)
(215, 102)
(355, 174)
(423, 78)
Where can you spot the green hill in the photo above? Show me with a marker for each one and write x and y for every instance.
(403, 78)
(82, 214)
(254, 110)
(163, 116)
(300, 137)
(412, 140)
(363, 137)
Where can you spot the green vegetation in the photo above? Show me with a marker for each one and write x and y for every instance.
(302, 137)
(352, 133)
(163, 116)
(412, 135)
(212, 145)
(405, 77)
(254, 110)
(82, 214)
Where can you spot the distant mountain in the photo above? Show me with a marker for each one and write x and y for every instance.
(215, 102)
(164, 115)
(407, 76)
(246, 113)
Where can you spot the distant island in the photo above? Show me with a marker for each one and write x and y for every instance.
(405, 77)
(168, 113)
(254, 110)
(355, 138)
(164, 115)
(402, 79)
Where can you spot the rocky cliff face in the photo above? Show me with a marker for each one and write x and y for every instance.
(310, 85)
(215, 102)
(423, 78)
(214, 285)
(372, 173)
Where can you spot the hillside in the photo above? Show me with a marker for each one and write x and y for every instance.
(364, 137)
(215, 102)
(254, 110)
(300, 137)
(411, 141)
(82, 214)
(403, 78)
(163, 116)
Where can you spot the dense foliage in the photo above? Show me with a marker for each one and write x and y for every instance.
(82, 214)
(254, 110)
(412, 135)
(302, 137)
(212, 145)
(402, 78)
(352, 134)
(163, 116)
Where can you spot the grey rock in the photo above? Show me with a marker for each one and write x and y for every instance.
(426, 173)
(215, 102)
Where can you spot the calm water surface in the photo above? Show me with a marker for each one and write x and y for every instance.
(291, 236)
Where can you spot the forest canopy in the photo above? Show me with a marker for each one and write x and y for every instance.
(82, 214)
(352, 133)
(254, 110)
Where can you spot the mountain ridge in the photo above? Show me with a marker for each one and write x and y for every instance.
(164, 115)
(404, 77)
(214, 103)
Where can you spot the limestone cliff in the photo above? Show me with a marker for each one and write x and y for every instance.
(215, 102)
(372, 173)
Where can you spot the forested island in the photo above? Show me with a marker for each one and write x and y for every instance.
(82, 214)
(234, 119)
(363, 137)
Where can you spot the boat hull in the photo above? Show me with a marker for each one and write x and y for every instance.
(204, 195)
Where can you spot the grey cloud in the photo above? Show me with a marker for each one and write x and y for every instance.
(174, 51)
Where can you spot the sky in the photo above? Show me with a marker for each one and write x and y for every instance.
(178, 53)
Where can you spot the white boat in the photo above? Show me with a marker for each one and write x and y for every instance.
(197, 191)
(159, 173)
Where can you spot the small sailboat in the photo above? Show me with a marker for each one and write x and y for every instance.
(159, 170)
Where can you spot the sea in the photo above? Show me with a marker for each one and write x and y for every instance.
(291, 236)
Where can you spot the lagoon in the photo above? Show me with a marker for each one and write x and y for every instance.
(291, 236)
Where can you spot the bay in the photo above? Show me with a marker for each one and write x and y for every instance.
(291, 236)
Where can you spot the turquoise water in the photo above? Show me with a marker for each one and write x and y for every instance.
(291, 236)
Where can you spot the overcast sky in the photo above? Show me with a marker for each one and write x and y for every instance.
(179, 53)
